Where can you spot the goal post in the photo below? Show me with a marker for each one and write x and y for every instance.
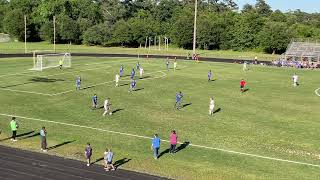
(45, 61)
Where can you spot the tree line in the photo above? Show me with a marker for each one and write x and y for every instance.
(128, 22)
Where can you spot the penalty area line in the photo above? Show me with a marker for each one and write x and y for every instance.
(145, 137)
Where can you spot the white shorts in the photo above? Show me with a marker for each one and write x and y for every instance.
(211, 107)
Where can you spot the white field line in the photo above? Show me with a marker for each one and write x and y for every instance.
(45, 94)
(88, 64)
(107, 82)
(29, 92)
(145, 137)
(70, 72)
(317, 91)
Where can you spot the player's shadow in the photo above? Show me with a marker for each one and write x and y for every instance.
(61, 144)
(182, 146)
(117, 110)
(97, 160)
(139, 89)
(121, 162)
(43, 79)
(246, 90)
(14, 85)
(145, 77)
(164, 152)
(18, 135)
(186, 105)
(126, 84)
(216, 111)
(30, 136)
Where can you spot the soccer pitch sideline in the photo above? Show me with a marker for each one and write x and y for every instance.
(269, 132)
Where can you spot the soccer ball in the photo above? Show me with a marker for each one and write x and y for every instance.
(110, 113)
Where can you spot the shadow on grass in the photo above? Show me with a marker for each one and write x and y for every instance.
(43, 79)
(31, 136)
(164, 152)
(61, 144)
(139, 89)
(216, 111)
(18, 135)
(121, 162)
(246, 90)
(186, 105)
(126, 84)
(182, 146)
(97, 160)
(117, 110)
(145, 77)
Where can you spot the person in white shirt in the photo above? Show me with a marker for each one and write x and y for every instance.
(107, 107)
(244, 68)
(175, 63)
(295, 80)
(117, 80)
(141, 72)
(211, 106)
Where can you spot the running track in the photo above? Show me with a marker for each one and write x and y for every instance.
(18, 164)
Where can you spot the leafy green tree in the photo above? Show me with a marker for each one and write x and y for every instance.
(245, 31)
(3, 10)
(247, 8)
(14, 23)
(210, 29)
(182, 28)
(263, 8)
(275, 37)
(121, 33)
(99, 34)
(68, 29)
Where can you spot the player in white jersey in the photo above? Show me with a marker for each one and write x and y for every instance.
(141, 72)
(211, 106)
(107, 107)
(295, 80)
(175, 63)
(117, 78)
(245, 68)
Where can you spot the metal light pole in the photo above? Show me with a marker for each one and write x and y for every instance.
(54, 33)
(25, 34)
(195, 27)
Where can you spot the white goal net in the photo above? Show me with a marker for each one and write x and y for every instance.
(45, 61)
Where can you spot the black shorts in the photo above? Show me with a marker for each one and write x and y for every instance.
(241, 87)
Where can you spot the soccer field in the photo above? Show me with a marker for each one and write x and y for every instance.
(269, 132)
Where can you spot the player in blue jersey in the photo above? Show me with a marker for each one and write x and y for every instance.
(94, 101)
(209, 76)
(138, 66)
(121, 70)
(133, 85)
(179, 97)
(133, 72)
(78, 83)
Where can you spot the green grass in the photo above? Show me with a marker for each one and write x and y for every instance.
(272, 119)
(18, 47)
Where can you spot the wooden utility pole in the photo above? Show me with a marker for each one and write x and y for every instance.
(54, 33)
(25, 34)
(195, 27)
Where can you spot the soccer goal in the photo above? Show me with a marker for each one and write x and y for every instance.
(45, 61)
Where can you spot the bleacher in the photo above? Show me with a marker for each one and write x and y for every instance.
(302, 53)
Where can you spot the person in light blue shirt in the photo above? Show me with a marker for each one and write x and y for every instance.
(209, 76)
(78, 83)
(108, 156)
(179, 97)
(155, 145)
(121, 70)
(43, 137)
